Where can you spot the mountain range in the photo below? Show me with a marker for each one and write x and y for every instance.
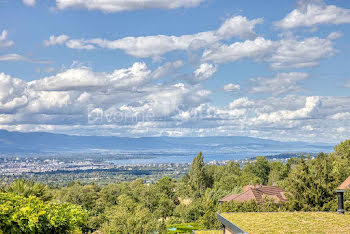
(36, 142)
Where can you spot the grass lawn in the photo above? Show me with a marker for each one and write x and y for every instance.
(182, 228)
(291, 222)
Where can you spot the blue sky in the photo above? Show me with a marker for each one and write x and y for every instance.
(271, 69)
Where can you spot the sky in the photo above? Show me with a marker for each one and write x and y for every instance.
(270, 69)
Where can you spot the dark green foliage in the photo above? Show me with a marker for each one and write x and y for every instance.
(312, 183)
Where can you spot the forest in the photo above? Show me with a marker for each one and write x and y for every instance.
(138, 207)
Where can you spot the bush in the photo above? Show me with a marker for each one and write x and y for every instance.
(19, 214)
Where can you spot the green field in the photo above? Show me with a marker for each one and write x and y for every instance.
(291, 222)
(182, 228)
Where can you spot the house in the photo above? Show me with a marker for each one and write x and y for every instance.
(257, 193)
(340, 193)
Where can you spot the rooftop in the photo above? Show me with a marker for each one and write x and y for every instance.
(257, 193)
(290, 222)
(345, 184)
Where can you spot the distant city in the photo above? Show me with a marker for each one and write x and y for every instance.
(102, 168)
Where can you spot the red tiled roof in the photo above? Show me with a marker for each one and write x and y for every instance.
(228, 197)
(345, 184)
(257, 193)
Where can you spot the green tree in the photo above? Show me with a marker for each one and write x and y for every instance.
(129, 216)
(260, 168)
(28, 188)
(312, 184)
(343, 149)
(276, 172)
(197, 175)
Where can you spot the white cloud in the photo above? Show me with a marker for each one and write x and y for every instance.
(29, 2)
(12, 93)
(204, 72)
(53, 40)
(341, 116)
(309, 14)
(4, 42)
(238, 26)
(121, 95)
(311, 105)
(285, 53)
(334, 35)
(292, 53)
(231, 87)
(12, 57)
(125, 5)
(17, 57)
(84, 78)
(280, 84)
(256, 49)
(167, 68)
(242, 102)
(157, 45)
(341, 129)
(128, 102)
(77, 44)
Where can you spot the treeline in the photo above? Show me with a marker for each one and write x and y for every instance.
(137, 207)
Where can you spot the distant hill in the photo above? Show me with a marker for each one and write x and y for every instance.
(11, 142)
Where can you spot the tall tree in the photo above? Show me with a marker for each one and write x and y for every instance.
(312, 184)
(197, 175)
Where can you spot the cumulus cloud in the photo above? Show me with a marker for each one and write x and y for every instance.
(53, 40)
(125, 5)
(204, 72)
(83, 78)
(231, 87)
(311, 13)
(238, 26)
(242, 102)
(12, 93)
(292, 53)
(4, 42)
(311, 105)
(280, 84)
(29, 2)
(128, 102)
(157, 45)
(77, 95)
